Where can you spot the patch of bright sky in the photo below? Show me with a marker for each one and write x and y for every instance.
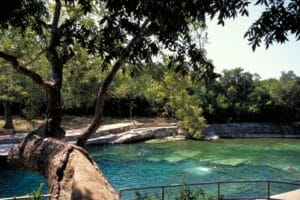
(228, 49)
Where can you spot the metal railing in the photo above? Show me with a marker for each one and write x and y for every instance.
(164, 187)
(218, 187)
(44, 196)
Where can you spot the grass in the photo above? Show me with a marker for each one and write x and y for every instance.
(72, 122)
(21, 124)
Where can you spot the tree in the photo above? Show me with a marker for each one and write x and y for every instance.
(150, 27)
(130, 33)
(174, 91)
(81, 78)
(15, 88)
(6, 98)
(54, 39)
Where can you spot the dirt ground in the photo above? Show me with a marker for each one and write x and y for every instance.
(73, 122)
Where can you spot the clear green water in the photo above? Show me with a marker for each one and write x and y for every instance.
(189, 161)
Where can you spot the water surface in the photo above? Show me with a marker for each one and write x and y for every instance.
(146, 164)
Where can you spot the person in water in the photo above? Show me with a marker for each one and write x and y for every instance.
(216, 166)
(289, 168)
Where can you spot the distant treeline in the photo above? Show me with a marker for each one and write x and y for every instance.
(233, 96)
(238, 96)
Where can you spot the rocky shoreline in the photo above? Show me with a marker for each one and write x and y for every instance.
(130, 133)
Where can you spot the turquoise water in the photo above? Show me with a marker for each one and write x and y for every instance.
(189, 161)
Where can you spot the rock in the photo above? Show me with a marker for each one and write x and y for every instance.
(211, 137)
(134, 136)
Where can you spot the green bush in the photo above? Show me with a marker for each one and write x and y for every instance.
(185, 193)
(36, 194)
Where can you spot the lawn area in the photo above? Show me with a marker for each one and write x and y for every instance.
(72, 122)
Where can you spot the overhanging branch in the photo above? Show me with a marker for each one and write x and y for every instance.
(23, 70)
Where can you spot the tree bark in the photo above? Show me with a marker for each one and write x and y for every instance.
(97, 119)
(70, 171)
(8, 116)
(54, 103)
(53, 113)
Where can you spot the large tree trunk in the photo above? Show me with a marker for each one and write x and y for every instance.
(70, 171)
(8, 116)
(53, 114)
(54, 104)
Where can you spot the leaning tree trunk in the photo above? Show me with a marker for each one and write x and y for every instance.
(70, 171)
(103, 90)
(8, 116)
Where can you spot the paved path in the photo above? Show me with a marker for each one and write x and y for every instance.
(4, 149)
(8, 141)
(291, 195)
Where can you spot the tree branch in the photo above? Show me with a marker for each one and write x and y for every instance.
(54, 30)
(34, 59)
(51, 52)
(23, 70)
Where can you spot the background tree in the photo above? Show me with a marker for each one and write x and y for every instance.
(53, 33)
(174, 92)
(134, 32)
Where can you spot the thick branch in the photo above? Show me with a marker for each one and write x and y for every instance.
(23, 70)
(102, 92)
(54, 30)
(52, 54)
(71, 173)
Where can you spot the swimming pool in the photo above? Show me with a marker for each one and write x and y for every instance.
(163, 163)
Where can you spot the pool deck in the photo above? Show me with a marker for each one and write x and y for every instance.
(291, 195)
(105, 131)
(4, 149)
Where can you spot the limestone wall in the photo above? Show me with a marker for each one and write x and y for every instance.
(254, 130)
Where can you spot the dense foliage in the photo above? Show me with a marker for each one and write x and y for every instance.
(74, 49)
(235, 96)
(238, 96)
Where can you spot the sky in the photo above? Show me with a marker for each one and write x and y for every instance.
(228, 49)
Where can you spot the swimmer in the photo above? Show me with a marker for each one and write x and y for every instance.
(216, 166)
(289, 168)
(140, 153)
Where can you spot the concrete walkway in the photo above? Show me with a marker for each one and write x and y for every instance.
(291, 195)
(105, 134)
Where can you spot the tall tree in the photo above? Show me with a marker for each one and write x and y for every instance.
(129, 32)
(54, 32)
(134, 32)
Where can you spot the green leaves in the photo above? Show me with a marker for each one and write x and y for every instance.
(275, 24)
